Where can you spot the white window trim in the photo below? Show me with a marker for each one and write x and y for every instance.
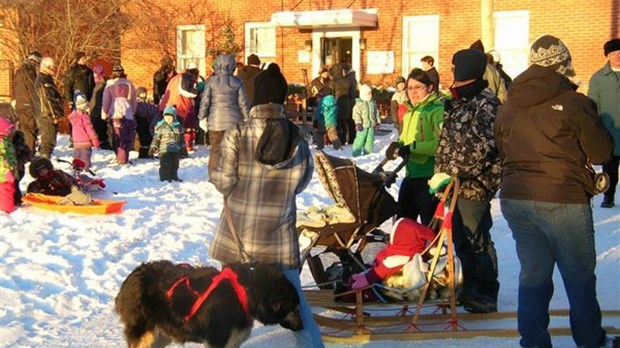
(247, 37)
(406, 19)
(317, 34)
(202, 53)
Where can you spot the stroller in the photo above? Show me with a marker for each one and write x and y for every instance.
(364, 196)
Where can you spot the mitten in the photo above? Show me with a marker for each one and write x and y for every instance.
(404, 150)
(391, 150)
(437, 182)
(359, 281)
(152, 151)
(358, 127)
(203, 124)
(96, 143)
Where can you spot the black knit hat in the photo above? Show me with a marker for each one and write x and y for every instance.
(478, 45)
(469, 64)
(270, 86)
(39, 163)
(611, 46)
(550, 52)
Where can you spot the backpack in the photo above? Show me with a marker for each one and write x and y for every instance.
(122, 107)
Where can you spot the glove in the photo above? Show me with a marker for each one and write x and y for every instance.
(437, 182)
(404, 150)
(358, 127)
(391, 150)
(152, 151)
(203, 124)
(377, 127)
(359, 281)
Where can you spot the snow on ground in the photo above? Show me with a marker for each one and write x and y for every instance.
(59, 273)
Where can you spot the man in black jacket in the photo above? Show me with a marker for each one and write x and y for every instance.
(23, 88)
(47, 105)
(78, 77)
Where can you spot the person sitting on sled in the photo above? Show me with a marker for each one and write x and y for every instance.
(54, 182)
(407, 238)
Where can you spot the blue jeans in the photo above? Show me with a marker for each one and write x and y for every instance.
(310, 336)
(546, 234)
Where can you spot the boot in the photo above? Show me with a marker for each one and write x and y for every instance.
(608, 202)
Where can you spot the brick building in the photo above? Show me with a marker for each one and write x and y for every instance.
(385, 39)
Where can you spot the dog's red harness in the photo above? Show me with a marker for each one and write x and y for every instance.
(225, 274)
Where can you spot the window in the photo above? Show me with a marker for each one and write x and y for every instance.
(260, 39)
(511, 40)
(420, 38)
(191, 46)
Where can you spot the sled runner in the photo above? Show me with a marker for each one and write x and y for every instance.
(374, 313)
(99, 206)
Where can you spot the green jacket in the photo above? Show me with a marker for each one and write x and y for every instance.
(605, 91)
(421, 129)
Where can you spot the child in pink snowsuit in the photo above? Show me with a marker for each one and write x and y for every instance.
(8, 166)
(82, 131)
(408, 238)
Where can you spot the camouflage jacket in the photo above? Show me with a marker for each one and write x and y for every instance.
(467, 147)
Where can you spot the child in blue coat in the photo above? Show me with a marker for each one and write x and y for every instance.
(169, 141)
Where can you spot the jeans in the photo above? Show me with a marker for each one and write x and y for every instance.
(471, 231)
(547, 234)
(310, 336)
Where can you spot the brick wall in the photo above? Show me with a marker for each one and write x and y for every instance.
(583, 26)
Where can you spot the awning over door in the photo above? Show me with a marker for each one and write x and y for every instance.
(345, 18)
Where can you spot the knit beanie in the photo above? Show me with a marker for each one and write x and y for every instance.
(170, 110)
(469, 64)
(35, 56)
(118, 69)
(37, 164)
(48, 66)
(550, 52)
(253, 59)
(400, 79)
(80, 101)
(611, 46)
(270, 86)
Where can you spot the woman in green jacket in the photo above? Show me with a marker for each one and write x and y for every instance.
(419, 139)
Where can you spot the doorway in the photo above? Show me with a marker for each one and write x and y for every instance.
(336, 50)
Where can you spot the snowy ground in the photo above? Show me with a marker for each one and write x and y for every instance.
(59, 273)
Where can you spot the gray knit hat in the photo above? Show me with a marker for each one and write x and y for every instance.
(550, 52)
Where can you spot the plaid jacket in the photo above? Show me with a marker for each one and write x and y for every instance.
(261, 198)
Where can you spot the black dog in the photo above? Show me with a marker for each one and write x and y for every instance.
(160, 303)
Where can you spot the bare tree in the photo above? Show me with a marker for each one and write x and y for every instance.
(64, 27)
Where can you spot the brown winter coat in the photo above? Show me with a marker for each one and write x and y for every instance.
(546, 132)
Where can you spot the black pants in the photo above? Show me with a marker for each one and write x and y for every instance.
(415, 200)
(28, 126)
(471, 231)
(144, 135)
(611, 168)
(168, 166)
(101, 128)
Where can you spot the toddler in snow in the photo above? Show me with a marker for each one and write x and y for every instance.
(326, 117)
(8, 167)
(366, 118)
(82, 131)
(168, 140)
(408, 237)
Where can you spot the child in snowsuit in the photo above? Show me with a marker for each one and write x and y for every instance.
(408, 238)
(82, 131)
(366, 118)
(326, 115)
(169, 142)
(49, 181)
(8, 166)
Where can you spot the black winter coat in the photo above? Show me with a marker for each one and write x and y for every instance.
(78, 77)
(48, 101)
(23, 87)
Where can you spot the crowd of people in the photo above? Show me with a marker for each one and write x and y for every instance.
(534, 139)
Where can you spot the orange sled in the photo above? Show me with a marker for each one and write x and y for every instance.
(99, 206)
